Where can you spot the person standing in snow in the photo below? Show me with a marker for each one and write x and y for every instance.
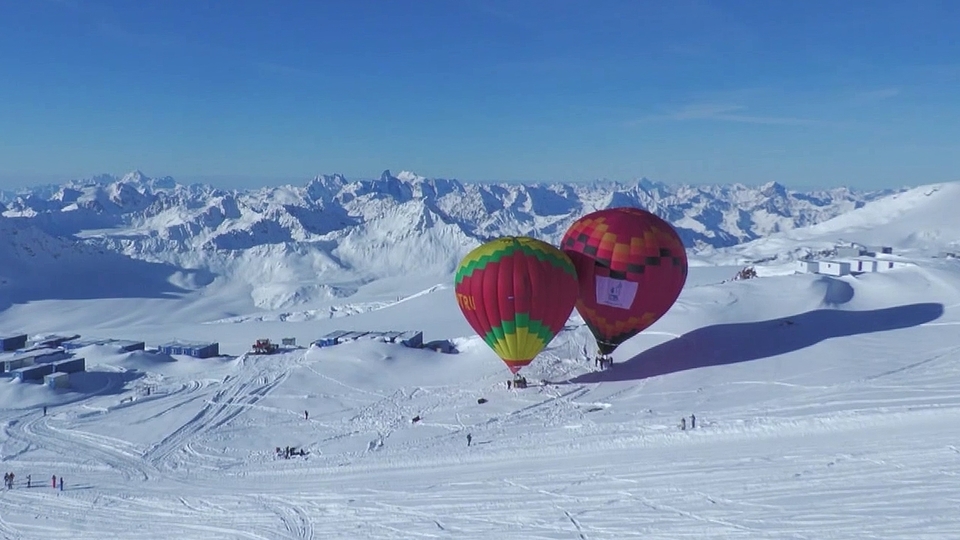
(61, 483)
(53, 483)
(306, 415)
(28, 480)
(683, 423)
(693, 421)
(469, 439)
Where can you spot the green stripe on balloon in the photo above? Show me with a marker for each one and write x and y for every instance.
(467, 268)
(522, 320)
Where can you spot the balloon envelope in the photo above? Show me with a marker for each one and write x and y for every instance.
(517, 293)
(631, 267)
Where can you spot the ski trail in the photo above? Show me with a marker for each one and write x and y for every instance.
(294, 517)
(224, 406)
(576, 524)
(92, 449)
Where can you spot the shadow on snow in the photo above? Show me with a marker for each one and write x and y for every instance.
(725, 344)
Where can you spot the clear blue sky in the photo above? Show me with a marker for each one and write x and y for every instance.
(805, 92)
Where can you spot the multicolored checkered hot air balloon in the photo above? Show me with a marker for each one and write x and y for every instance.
(631, 266)
(517, 293)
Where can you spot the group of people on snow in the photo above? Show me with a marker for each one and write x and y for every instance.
(603, 362)
(8, 481)
(693, 422)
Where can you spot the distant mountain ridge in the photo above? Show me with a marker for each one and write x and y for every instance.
(337, 229)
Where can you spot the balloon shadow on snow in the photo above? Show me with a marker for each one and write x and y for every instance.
(724, 344)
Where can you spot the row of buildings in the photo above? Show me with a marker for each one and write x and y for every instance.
(38, 363)
(851, 260)
(52, 359)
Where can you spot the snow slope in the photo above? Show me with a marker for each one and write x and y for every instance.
(919, 222)
(826, 408)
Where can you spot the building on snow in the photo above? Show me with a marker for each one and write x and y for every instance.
(873, 250)
(11, 362)
(70, 365)
(13, 342)
(191, 348)
(54, 340)
(863, 265)
(57, 379)
(885, 265)
(32, 373)
(834, 268)
(330, 339)
(351, 336)
(808, 267)
(124, 345)
(408, 338)
(441, 346)
(850, 251)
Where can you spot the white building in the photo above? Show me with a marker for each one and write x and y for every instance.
(887, 265)
(850, 251)
(863, 265)
(808, 267)
(834, 268)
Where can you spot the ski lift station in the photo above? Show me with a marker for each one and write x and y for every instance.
(196, 349)
(409, 338)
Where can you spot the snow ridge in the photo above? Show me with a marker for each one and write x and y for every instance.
(294, 244)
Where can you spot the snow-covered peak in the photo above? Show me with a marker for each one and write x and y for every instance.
(408, 176)
(135, 177)
(389, 224)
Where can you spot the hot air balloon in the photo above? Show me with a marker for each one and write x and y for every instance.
(631, 267)
(517, 293)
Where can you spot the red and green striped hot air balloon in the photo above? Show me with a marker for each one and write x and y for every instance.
(517, 293)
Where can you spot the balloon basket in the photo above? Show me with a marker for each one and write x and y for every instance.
(518, 381)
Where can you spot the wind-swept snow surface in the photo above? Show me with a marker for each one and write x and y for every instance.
(826, 407)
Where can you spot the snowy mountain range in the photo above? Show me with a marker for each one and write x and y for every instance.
(323, 238)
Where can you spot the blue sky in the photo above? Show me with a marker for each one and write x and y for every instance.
(808, 93)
